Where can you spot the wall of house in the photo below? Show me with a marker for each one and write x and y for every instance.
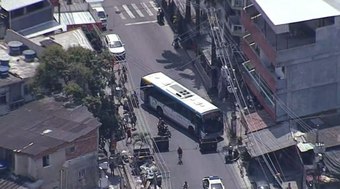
(22, 163)
(312, 74)
(83, 145)
(31, 19)
(80, 172)
(14, 36)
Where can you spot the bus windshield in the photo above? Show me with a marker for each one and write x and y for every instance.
(212, 122)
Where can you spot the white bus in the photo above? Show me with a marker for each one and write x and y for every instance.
(181, 105)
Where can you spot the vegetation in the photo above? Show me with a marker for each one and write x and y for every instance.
(82, 76)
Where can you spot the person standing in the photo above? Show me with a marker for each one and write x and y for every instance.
(128, 135)
(180, 155)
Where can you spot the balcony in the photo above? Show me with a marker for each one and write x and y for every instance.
(236, 4)
(234, 26)
(247, 17)
(258, 88)
(251, 50)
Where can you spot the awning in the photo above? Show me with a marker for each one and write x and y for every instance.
(269, 140)
(304, 147)
(42, 29)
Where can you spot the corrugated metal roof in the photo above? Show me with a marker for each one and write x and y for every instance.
(75, 18)
(269, 140)
(42, 125)
(10, 5)
(291, 11)
(258, 120)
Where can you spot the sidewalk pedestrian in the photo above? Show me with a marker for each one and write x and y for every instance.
(180, 154)
(112, 168)
(133, 120)
(128, 135)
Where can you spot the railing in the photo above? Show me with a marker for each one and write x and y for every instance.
(260, 68)
(258, 36)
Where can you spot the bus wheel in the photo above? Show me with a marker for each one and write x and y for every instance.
(159, 111)
(191, 130)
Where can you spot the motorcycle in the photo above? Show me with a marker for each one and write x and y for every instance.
(175, 43)
(163, 130)
(160, 16)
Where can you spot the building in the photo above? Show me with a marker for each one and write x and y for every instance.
(293, 66)
(28, 17)
(233, 15)
(51, 144)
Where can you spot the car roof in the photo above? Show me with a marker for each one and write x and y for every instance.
(214, 179)
(98, 9)
(113, 37)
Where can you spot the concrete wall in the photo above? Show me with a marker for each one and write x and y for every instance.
(50, 174)
(86, 164)
(32, 19)
(312, 74)
(21, 163)
(14, 36)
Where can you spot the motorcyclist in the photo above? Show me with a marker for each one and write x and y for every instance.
(160, 15)
(175, 42)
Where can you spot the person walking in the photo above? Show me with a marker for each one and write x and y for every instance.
(133, 120)
(128, 135)
(186, 185)
(180, 154)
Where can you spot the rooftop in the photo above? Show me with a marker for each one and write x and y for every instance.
(269, 140)
(75, 18)
(43, 125)
(10, 5)
(19, 68)
(66, 39)
(291, 11)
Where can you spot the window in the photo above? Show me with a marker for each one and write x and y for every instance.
(46, 160)
(3, 99)
(70, 149)
(81, 174)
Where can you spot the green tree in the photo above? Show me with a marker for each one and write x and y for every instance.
(82, 75)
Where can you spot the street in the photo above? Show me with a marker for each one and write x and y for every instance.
(148, 49)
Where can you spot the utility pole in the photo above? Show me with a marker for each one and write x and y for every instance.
(198, 18)
(188, 10)
(319, 150)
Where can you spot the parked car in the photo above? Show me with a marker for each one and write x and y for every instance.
(212, 182)
(115, 46)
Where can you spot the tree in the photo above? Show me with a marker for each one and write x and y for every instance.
(82, 75)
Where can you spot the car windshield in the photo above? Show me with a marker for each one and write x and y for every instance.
(101, 14)
(216, 186)
(115, 44)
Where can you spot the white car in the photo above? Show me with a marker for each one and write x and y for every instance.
(212, 182)
(115, 46)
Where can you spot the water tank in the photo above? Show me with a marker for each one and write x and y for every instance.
(15, 48)
(29, 55)
(4, 71)
(4, 60)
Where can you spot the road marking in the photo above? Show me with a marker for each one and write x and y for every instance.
(119, 13)
(137, 10)
(139, 23)
(147, 9)
(153, 4)
(127, 10)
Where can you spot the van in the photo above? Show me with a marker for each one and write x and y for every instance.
(101, 14)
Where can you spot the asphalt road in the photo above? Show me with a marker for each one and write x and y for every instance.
(148, 48)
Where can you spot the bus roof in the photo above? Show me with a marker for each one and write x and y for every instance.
(181, 93)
